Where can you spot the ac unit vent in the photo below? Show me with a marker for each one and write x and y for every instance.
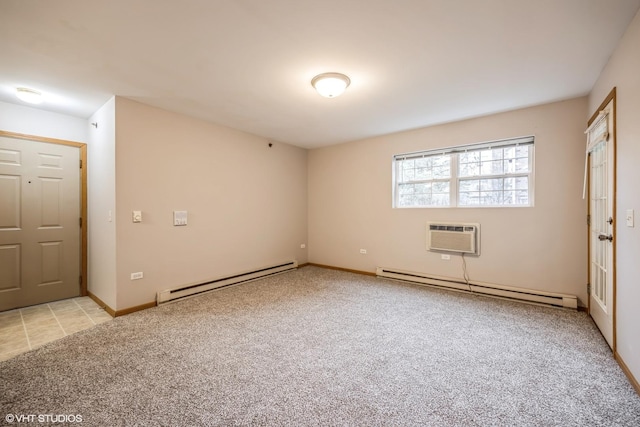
(458, 238)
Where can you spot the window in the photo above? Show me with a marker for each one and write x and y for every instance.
(498, 173)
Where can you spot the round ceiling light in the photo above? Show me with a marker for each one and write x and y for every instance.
(29, 95)
(330, 85)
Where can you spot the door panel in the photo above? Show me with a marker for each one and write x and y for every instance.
(9, 157)
(601, 231)
(51, 261)
(9, 267)
(50, 198)
(40, 235)
(10, 207)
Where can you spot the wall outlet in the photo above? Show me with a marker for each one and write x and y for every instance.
(136, 276)
(363, 251)
(136, 216)
(445, 257)
(302, 246)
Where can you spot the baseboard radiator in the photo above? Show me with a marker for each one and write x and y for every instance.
(489, 289)
(171, 295)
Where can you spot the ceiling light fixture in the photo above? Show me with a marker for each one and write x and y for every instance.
(29, 95)
(330, 85)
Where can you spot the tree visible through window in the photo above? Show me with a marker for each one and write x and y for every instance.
(489, 174)
(425, 181)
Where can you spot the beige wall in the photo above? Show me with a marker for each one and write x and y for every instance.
(543, 247)
(623, 72)
(247, 202)
(101, 157)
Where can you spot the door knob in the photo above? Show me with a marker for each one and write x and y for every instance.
(603, 237)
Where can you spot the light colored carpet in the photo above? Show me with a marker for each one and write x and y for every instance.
(320, 347)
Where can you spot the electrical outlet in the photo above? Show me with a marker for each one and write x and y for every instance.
(136, 216)
(136, 276)
(363, 251)
(445, 257)
(302, 246)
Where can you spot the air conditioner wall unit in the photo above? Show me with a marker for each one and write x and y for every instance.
(463, 238)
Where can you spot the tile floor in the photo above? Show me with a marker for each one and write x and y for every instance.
(28, 328)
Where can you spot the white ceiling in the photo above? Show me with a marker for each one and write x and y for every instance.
(248, 64)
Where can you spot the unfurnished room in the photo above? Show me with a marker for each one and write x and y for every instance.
(297, 213)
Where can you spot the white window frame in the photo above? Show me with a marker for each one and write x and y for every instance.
(455, 179)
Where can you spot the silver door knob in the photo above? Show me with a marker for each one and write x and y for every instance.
(603, 237)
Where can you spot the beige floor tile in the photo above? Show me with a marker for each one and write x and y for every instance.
(35, 309)
(85, 301)
(13, 353)
(78, 313)
(68, 309)
(11, 330)
(92, 309)
(78, 318)
(100, 317)
(44, 337)
(62, 303)
(64, 308)
(18, 339)
(43, 326)
(74, 325)
(96, 312)
(10, 316)
(43, 323)
(13, 345)
(15, 329)
(37, 316)
(77, 327)
(10, 327)
(52, 330)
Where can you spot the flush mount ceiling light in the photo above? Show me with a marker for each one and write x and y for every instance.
(330, 85)
(29, 95)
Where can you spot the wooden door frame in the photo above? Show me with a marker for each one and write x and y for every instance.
(83, 194)
(610, 98)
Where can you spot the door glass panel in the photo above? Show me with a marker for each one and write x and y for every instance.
(599, 224)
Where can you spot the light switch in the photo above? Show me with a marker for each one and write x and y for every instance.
(629, 217)
(179, 218)
(137, 216)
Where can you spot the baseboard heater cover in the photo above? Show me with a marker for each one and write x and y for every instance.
(171, 295)
(489, 289)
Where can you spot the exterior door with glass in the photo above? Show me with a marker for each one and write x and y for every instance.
(601, 151)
